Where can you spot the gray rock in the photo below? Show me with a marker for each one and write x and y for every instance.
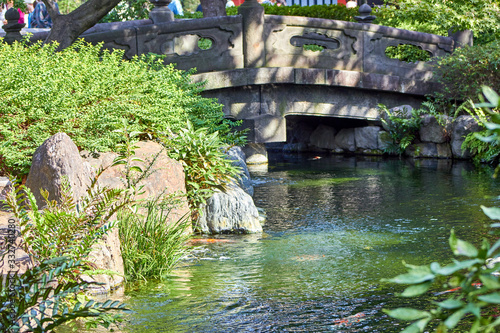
(237, 155)
(256, 153)
(366, 137)
(444, 150)
(232, 211)
(429, 150)
(295, 147)
(345, 139)
(57, 159)
(384, 140)
(323, 137)
(432, 131)
(462, 126)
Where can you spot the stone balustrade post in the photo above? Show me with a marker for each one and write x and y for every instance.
(462, 38)
(161, 13)
(12, 28)
(254, 54)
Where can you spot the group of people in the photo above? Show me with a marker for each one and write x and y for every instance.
(35, 15)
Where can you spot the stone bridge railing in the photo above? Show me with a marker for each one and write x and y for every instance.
(257, 40)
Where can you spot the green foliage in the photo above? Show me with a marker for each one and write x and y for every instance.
(36, 301)
(205, 164)
(333, 12)
(87, 93)
(403, 127)
(313, 47)
(407, 53)
(205, 43)
(67, 6)
(464, 72)
(128, 10)
(473, 283)
(438, 16)
(151, 245)
(66, 229)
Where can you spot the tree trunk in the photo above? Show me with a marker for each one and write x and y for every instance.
(213, 8)
(67, 28)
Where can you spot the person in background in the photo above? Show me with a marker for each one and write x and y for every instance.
(40, 17)
(30, 8)
(199, 9)
(176, 7)
(8, 5)
(280, 3)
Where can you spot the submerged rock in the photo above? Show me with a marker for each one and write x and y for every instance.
(231, 211)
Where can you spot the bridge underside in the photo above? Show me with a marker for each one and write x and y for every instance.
(264, 108)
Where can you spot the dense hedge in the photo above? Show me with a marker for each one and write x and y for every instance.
(88, 94)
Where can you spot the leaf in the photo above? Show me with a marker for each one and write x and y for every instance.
(416, 290)
(460, 247)
(490, 281)
(454, 267)
(417, 326)
(493, 298)
(407, 314)
(453, 320)
(450, 304)
(412, 278)
(492, 212)
(491, 96)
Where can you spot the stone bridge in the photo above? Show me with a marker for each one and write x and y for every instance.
(259, 70)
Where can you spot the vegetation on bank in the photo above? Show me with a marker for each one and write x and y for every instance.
(471, 283)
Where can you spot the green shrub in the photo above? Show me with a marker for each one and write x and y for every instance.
(87, 93)
(464, 72)
(437, 17)
(205, 164)
(151, 246)
(407, 53)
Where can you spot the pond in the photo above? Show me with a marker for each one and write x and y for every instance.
(335, 227)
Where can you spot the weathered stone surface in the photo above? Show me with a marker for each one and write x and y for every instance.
(429, 150)
(384, 140)
(295, 147)
(166, 179)
(106, 254)
(432, 131)
(366, 137)
(58, 158)
(402, 111)
(345, 139)
(323, 137)
(238, 156)
(232, 211)
(10, 236)
(462, 126)
(256, 153)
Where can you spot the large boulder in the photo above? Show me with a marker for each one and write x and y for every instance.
(462, 126)
(57, 159)
(366, 137)
(256, 153)
(435, 130)
(238, 157)
(166, 177)
(345, 139)
(230, 211)
(323, 137)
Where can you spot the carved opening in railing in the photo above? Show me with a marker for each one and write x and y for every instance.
(205, 43)
(408, 53)
(312, 41)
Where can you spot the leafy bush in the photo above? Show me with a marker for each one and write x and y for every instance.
(36, 301)
(205, 164)
(464, 72)
(86, 93)
(474, 281)
(437, 17)
(407, 53)
(151, 246)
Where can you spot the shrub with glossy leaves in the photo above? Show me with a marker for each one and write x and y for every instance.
(87, 93)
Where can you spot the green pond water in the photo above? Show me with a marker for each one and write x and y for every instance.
(335, 227)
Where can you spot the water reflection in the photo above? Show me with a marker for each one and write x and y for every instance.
(334, 228)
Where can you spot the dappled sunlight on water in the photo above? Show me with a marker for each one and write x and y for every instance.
(335, 227)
